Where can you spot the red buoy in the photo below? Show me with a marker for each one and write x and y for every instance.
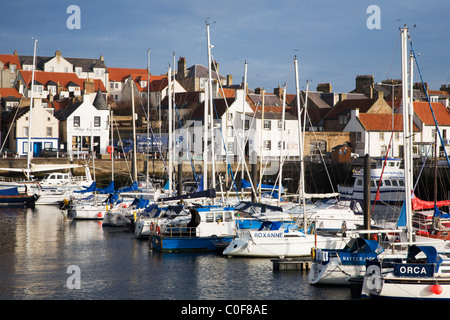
(436, 289)
(99, 215)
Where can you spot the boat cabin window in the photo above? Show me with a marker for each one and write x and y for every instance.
(209, 217)
(66, 176)
(401, 183)
(218, 217)
(228, 216)
(359, 182)
(395, 183)
(387, 183)
(60, 176)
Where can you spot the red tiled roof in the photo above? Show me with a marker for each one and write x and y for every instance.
(11, 58)
(10, 92)
(43, 77)
(120, 74)
(442, 114)
(382, 122)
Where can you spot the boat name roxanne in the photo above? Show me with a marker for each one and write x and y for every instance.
(268, 235)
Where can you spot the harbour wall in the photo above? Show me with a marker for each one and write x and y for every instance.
(319, 178)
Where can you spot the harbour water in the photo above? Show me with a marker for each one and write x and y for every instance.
(44, 255)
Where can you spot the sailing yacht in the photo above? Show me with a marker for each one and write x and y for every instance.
(424, 274)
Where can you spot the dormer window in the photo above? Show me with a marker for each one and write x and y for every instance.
(12, 68)
(78, 70)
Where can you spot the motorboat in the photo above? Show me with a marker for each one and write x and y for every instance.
(386, 185)
(207, 226)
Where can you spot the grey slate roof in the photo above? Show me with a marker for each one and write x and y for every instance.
(99, 101)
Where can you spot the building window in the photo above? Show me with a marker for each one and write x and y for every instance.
(279, 145)
(246, 124)
(76, 121)
(96, 121)
(267, 124)
(49, 132)
(317, 147)
(358, 136)
(111, 85)
(381, 136)
(280, 124)
(397, 136)
(230, 147)
(25, 131)
(267, 144)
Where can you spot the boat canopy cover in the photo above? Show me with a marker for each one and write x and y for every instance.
(108, 189)
(363, 245)
(418, 204)
(133, 187)
(270, 225)
(91, 188)
(429, 251)
(9, 192)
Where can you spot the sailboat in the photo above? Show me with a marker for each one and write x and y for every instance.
(210, 223)
(276, 239)
(424, 274)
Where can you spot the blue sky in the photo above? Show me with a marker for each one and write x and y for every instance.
(330, 37)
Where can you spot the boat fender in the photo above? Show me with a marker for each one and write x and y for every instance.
(313, 253)
(151, 226)
(158, 230)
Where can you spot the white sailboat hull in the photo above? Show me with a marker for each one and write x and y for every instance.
(276, 244)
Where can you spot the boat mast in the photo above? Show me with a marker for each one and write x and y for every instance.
(213, 174)
(133, 120)
(406, 133)
(283, 115)
(301, 188)
(243, 127)
(148, 115)
(261, 146)
(30, 147)
(169, 97)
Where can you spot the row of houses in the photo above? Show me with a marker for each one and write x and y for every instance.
(73, 98)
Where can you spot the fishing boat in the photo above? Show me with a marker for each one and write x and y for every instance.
(275, 239)
(387, 182)
(207, 225)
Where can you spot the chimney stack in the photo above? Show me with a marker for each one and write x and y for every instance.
(182, 68)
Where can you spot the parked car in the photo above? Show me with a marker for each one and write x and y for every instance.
(52, 152)
(7, 153)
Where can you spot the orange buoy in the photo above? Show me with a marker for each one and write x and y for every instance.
(99, 215)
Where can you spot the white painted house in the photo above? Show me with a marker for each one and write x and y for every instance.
(374, 133)
(262, 135)
(44, 129)
(85, 125)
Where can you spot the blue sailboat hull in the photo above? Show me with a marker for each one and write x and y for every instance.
(178, 244)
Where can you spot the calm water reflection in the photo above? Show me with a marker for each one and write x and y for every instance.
(38, 245)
